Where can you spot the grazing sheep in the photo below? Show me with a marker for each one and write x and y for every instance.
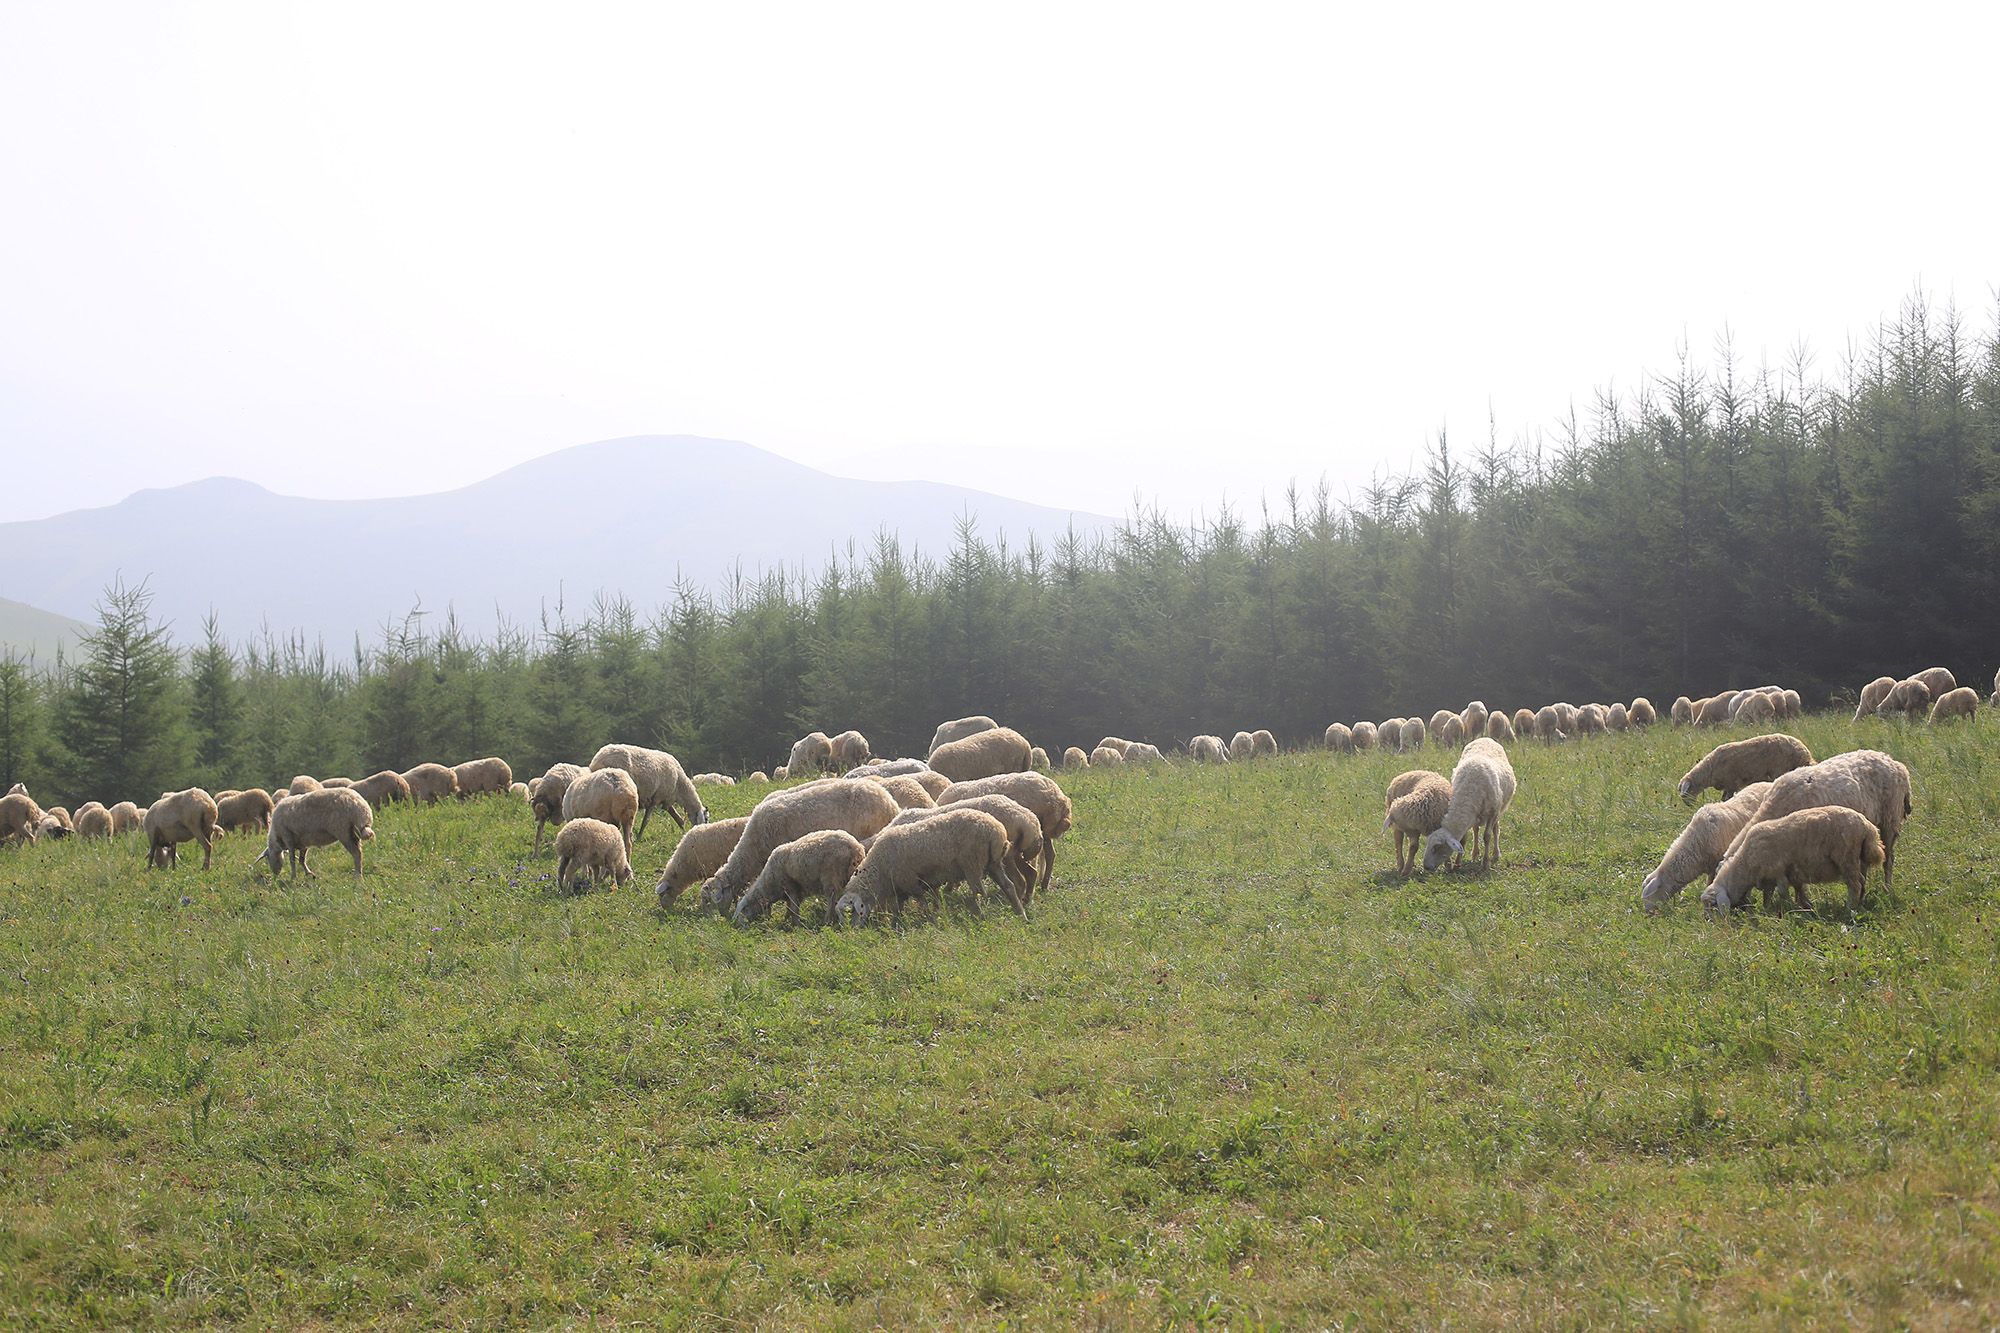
(1106, 757)
(781, 773)
(593, 845)
(1472, 721)
(302, 784)
(999, 750)
(246, 810)
(759, 776)
(933, 782)
(1211, 750)
(910, 794)
(1365, 735)
(1681, 713)
(1499, 728)
(1641, 712)
(1039, 794)
(1548, 724)
(1024, 830)
(1872, 695)
(1792, 704)
(545, 796)
(1911, 698)
(712, 780)
(379, 789)
(61, 818)
(483, 777)
(1821, 845)
(430, 783)
(889, 768)
(20, 817)
(1390, 731)
(1241, 747)
(1590, 720)
(860, 807)
(336, 782)
(1435, 725)
(1263, 744)
(1714, 711)
(1452, 732)
(1117, 743)
(93, 821)
(1702, 845)
(1867, 781)
(1757, 710)
(178, 817)
(1038, 759)
(1142, 752)
(849, 749)
(1415, 808)
(125, 816)
(1482, 787)
(1074, 757)
(699, 854)
(1616, 718)
(663, 784)
(1566, 718)
(821, 862)
(811, 753)
(607, 794)
(1937, 680)
(332, 815)
(1413, 735)
(519, 791)
(958, 729)
(1339, 739)
(52, 827)
(1731, 767)
(951, 847)
(1961, 702)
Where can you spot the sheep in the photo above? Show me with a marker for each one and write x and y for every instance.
(593, 845)
(19, 817)
(1339, 739)
(1731, 767)
(545, 796)
(1039, 794)
(1872, 695)
(1590, 720)
(954, 846)
(860, 807)
(1937, 680)
(1757, 710)
(1414, 808)
(1472, 721)
(1437, 720)
(1616, 718)
(1241, 747)
(1641, 712)
(1390, 730)
(1499, 728)
(1452, 732)
(847, 750)
(983, 754)
(607, 794)
(1142, 752)
(1106, 757)
(1024, 830)
(1413, 735)
(1701, 846)
(1211, 750)
(821, 862)
(1074, 757)
(759, 776)
(1566, 718)
(379, 789)
(1482, 787)
(889, 768)
(1911, 698)
(245, 810)
(1548, 723)
(1263, 744)
(1681, 714)
(812, 754)
(1714, 711)
(1793, 705)
(663, 784)
(958, 729)
(699, 854)
(430, 783)
(1117, 743)
(910, 794)
(1961, 702)
(125, 816)
(317, 819)
(781, 773)
(178, 817)
(519, 791)
(712, 780)
(1821, 845)
(52, 827)
(336, 782)
(1868, 781)
(933, 782)
(61, 818)
(302, 784)
(483, 777)
(1365, 735)
(1038, 759)
(1995, 701)
(93, 821)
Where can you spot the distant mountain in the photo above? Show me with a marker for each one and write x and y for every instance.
(619, 516)
(31, 631)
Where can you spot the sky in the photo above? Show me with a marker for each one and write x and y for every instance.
(1087, 255)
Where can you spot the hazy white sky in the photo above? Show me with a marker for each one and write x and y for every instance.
(1068, 252)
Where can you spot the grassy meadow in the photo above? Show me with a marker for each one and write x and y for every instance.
(1233, 1073)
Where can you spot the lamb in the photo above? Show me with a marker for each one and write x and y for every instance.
(1911, 698)
(999, 750)
(607, 794)
(519, 791)
(861, 808)
(125, 817)
(910, 794)
(1472, 721)
(821, 862)
(1682, 712)
(302, 784)
(1641, 712)
(545, 796)
(1872, 695)
(959, 729)
(662, 783)
(1262, 743)
(178, 817)
(429, 783)
(318, 819)
(1821, 845)
(1241, 747)
(1961, 702)
(1412, 735)
(1039, 794)
(1731, 767)
(93, 821)
(593, 845)
(1211, 750)
(1106, 757)
(1415, 808)
(1024, 830)
(1074, 757)
(1702, 845)
(811, 753)
(483, 777)
(1365, 735)
(1482, 787)
(1498, 728)
(954, 846)
(1616, 718)
(379, 789)
(1867, 781)
(1339, 739)
(699, 854)
(244, 810)
(1937, 680)
(850, 748)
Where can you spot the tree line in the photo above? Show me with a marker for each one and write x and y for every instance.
(1718, 527)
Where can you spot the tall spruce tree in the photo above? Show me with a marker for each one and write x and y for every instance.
(20, 722)
(215, 702)
(123, 724)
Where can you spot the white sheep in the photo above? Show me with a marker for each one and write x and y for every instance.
(1682, 712)
(1106, 757)
(1038, 759)
(1413, 736)
(545, 796)
(1263, 744)
(958, 729)
(1365, 735)
(1414, 808)
(317, 819)
(245, 810)
(811, 753)
(1024, 830)
(1499, 728)
(1702, 845)
(1911, 698)
(93, 821)
(1339, 739)
(430, 782)
(125, 816)
(591, 844)
(1731, 767)
(661, 782)
(889, 768)
(1616, 718)
(910, 794)
(954, 847)
(850, 748)
(821, 862)
(490, 776)
(178, 817)
(1074, 757)
(1937, 680)
(1482, 787)
(1039, 794)
(856, 805)
(606, 794)
(1817, 845)
(1641, 712)
(1241, 747)
(302, 784)
(701, 852)
(1472, 720)
(1210, 749)
(983, 754)
(1961, 702)
(1867, 781)
(379, 789)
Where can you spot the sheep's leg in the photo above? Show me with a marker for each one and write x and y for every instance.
(1857, 889)
(1010, 882)
(673, 813)
(562, 873)
(1801, 897)
(1888, 863)
(540, 822)
(354, 850)
(645, 817)
(207, 850)
(305, 861)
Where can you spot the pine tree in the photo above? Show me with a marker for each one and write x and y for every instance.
(216, 700)
(20, 722)
(123, 727)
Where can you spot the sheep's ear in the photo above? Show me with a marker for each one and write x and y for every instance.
(1457, 847)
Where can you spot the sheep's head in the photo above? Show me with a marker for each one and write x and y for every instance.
(272, 856)
(1439, 848)
(1655, 893)
(721, 893)
(852, 906)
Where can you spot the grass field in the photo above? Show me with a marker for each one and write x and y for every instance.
(1233, 1073)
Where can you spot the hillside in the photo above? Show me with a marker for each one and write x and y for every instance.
(31, 631)
(622, 516)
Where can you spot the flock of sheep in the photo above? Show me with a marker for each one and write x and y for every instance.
(868, 835)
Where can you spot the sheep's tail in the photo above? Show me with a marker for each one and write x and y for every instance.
(367, 832)
(1386, 825)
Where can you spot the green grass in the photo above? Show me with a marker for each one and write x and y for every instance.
(1233, 1073)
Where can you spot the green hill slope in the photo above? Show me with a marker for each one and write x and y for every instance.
(30, 630)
